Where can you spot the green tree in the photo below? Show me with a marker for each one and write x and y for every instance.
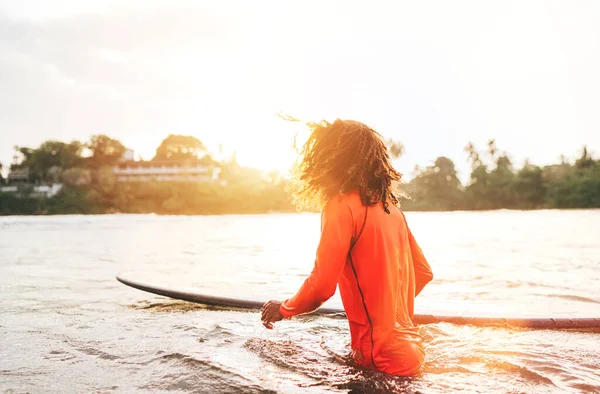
(490, 188)
(436, 187)
(104, 190)
(179, 147)
(474, 159)
(530, 188)
(22, 154)
(585, 161)
(556, 173)
(77, 176)
(477, 191)
(50, 154)
(492, 150)
(501, 184)
(55, 174)
(395, 148)
(1, 177)
(580, 189)
(104, 179)
(106, 151)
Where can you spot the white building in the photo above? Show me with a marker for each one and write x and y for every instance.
(197, 170)
(39, 191)
(18, 175)
(47, 190)
(129, 155)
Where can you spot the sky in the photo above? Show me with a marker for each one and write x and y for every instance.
(431, 74)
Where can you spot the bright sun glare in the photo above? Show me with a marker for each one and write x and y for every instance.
(266, 146)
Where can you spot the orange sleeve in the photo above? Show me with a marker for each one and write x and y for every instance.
(336, 234)
(423, 273)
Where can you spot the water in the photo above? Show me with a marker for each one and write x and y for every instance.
(66, 325)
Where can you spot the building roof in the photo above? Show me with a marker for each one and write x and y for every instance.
(204, 161)
(18, 173)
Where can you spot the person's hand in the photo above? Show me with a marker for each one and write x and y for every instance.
(271, 314)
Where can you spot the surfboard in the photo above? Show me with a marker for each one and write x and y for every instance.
(461, 317)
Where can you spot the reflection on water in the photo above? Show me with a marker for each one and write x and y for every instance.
(67, 326)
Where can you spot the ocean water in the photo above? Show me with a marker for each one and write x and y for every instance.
(67, 326)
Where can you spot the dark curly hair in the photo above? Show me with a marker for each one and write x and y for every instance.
(342, 157)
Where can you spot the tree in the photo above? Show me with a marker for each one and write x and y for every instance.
(477, 191)
(501, 183)
(104, 179)
(473, 157)
(50, 154)
(1, 177)
(579, 189)
(180, 147)
(58, 153)
(55, 174)
(478, 188)
(395, 148)
(77, 176)
(585, 161)
(579, 186)
(555, 173)
(492, 150)
(105, 150)
(529, 187)
(436, 187)
(490, 187)
(22, 154)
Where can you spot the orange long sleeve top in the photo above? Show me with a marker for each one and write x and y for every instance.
(374, 259)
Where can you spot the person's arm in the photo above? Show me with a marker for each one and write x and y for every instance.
(337, 228)
(423, 273)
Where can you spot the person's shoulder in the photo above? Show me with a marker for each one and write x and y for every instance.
(397, 210)
(349, 202)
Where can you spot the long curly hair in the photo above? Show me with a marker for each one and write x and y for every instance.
(342, 157)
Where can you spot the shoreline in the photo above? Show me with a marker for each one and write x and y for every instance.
(285, 212)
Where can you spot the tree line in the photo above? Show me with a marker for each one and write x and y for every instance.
(49, 162)
(494, 183)
(90, 186)
(85, 169)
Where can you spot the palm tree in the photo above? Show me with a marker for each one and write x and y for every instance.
(473, 157)
(585, 160)
(492, 149)
(395, 148)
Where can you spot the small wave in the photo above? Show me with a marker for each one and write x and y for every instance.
(526, 373)
(180, 306)
(571, 297)
(184, 327)
(286, 354)
(476, 365)
(21, 372)
(325, 330)
(328, 369)
(377, 383)
(59, 355)
(168, 306)
(98, 353)
(185, 360)
(200, 376)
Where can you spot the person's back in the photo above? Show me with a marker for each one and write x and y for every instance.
(366, 250)
(378, 290)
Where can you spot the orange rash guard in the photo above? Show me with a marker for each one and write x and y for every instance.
(379, 268)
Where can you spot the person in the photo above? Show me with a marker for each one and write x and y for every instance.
(366, 247)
